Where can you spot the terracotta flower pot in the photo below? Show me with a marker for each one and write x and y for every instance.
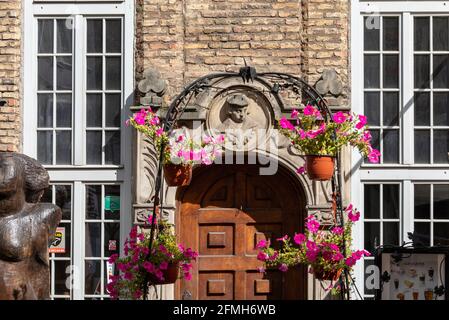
(170, 275)
(320, 167)
(332, 275)
(177, 175)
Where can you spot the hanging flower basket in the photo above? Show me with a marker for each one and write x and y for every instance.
(177, 175)
(170, 275)
(320, 167)
(331, 275)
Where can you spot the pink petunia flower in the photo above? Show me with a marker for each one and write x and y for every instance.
(362, 122)
(283, 267)
(313, 226)
(337, 230)
(301, 170)
(282, 239)
(309, 110)
(262, 244)
(354, 217)
(285, 124)
(262, 256)
(339, 117)
(299, 238)
(294, 113)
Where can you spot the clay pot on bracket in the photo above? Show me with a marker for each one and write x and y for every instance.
(177, 175)
(170, 275)
(320, 168)
(332, 275)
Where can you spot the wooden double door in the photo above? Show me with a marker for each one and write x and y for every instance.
(223, 214)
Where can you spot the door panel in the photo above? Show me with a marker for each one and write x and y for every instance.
(223, 214)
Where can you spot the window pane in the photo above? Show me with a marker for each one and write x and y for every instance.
(112, 202)
(391, 109)
(422, 146)
(93, 240)
(113, 108)
(421, 33)
(441, 108)
(422, 71)
(372, 235)
(63, 147)
(94, 36)
(45, 110)
(391, 71)
(390, 146)
(371, 33)
(391, 233)
(45, 35)
(372, 108)
(93, 202)
(92, 277)
(64, 29)
(45, 73)
(113, 36)
(372, 71)
(422, 201)
(61, 277)
(391, 33)
(94, 73)
(422, 109)
(111, 238)
(112, 147)
(63, 110)
(64, 73)
(441, 71)
(422, 233)
(93, 147)
(94, 109)
(372, 201)
(441, 201)
(113, 73)
(441, 33)
(391, 201)
(64, 200)
(440, 146)
(45, 147)
(441, 234)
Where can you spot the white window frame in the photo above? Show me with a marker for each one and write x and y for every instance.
(79, 173)
(405, 173)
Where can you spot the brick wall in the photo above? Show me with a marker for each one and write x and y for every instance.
(10, 68)
(190, 38)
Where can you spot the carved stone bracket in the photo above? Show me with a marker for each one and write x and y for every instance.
(153, 86)
(323, 214)
(142, 212)
(329, 83)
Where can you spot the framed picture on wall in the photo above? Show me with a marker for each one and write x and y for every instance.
(413, 273)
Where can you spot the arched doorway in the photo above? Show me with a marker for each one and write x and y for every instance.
(223, 214)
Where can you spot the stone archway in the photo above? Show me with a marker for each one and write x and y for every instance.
(224, 212)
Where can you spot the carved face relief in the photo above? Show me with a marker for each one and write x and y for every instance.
(242, 115)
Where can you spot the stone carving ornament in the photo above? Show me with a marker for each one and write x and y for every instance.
(329, 83)
(27, 228)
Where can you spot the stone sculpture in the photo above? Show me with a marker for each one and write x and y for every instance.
(27, 228)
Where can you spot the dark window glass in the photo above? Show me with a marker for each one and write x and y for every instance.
(390, 146)
(94, 36)
(63, 110)
(61, 271)
(422, 146)
(113, 108)
(44, 110)
(422, 71)
(45, 32)
(422, 108)
(391, 109)
(372, 201)
(112, 147)
(441, 234)
(391, 71)
(94, 73)
(113, 73)
(372, 71)
(64, 73)
(391, 33)
(93, 202)
(391, 201)
(372, 108)
(421, 33)
(441, 201)
(372, 235)
(441, 108)
(92, 270)
(45, 147)
(94, 109)
(63, 147)
(422, 233)
(441, 71)
(422, 201)
(441, 33)
(93, 147)
(371, 33)
(45, 73)
(64, 29)
(391, 233)
(113, 36)
(440, 146)
(64, 200)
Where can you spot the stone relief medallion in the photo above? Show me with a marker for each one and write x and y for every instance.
(243, 115)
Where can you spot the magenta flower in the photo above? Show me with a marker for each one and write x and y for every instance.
(362, 122)
(309, 110)
(159, 132)
(354, 217)
(155, 121)
(282, 239)
(339, 117)
(113, 258)
(187, 276)
(301, 170)
(294, 113)
(163, 265)
(299, 238)
(337, 230)
(338, 257)
(349, 208)
(262, 244)
(373, 156)
(128, 276)
(313, 226)
(350, 261)
(262, 256)
(148, 266)
(285, 124)
(283, 267)
(274, 256)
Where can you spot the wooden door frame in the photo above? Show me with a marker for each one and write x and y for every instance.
(197, 172)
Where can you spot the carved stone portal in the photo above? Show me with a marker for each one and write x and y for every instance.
(27, 228)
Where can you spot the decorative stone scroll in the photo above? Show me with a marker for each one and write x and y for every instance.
(27, 227)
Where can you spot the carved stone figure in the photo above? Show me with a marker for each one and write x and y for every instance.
(27, 228)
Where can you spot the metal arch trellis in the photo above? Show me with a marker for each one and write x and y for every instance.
(275, 82)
